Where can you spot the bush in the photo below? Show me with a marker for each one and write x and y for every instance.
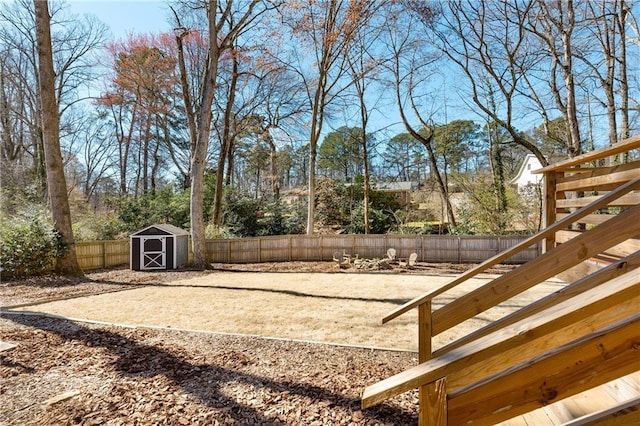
(241, 214)
(28, 247)
(162, 206)
(99, 227)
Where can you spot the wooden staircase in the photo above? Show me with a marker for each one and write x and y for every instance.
(572, 357)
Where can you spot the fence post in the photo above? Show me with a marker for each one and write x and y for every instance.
(353, 245)
(104, 254)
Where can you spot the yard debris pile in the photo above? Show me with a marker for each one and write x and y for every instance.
(372, 264)
(346, 261)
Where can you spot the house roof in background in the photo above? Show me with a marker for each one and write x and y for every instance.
(528, 159)
(396, 186)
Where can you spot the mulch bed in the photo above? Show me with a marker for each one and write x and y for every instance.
(140, 376)
(63, 372)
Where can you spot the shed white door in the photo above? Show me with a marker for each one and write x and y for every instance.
(153, 253)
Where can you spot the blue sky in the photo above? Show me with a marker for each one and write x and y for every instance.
(125, 17)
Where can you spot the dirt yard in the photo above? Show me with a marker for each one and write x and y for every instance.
(66, 372)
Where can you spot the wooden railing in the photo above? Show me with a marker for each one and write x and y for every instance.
(576, 182)
(490, 358)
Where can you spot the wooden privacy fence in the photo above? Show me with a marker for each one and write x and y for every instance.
(429, 248)
(102, 254)
(283, 248)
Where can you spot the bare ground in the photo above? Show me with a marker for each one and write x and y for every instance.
(64, 372)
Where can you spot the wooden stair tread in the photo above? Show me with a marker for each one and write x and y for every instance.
(558, 412)
(550, 377)
(625, 388)
(536, 418)
(600, 399)
(626, 413)
(596, 399)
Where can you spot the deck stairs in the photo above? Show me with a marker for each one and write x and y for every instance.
(571, 357)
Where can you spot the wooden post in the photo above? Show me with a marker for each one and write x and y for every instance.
(424, 332)
(549, 208)
(433, 404)
(432, 410)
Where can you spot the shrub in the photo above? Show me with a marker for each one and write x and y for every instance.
(28, 247)
(99, 227)
(241, 215)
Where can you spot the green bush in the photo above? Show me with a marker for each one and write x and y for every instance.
(161, 206)
(241, 214)
(28, 247)
(99, 227)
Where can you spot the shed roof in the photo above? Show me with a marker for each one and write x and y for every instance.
(168, 228)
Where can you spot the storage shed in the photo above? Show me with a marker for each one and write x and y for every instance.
(159, 247)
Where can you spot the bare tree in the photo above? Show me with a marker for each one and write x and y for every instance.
(227, 134)
(199, 111)
(409, 70)
(97, 156)
(67, 263)
(327, 29)
(278, 112)
(606, 23)
(554, 23)
(364, 67)
(487, 42)
(624, 11)
(74, 41)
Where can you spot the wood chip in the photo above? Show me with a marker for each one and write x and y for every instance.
(62, 397)
(5, 346)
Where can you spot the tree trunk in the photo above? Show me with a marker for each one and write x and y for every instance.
(225, 144)
(200, 128)
(622, 70)
(67, 263)
(575, 147)
(145, 154)
(319, 101)
(273, 162)
(365, 160)
(497, 167)
(313, 153)
(201, 148)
